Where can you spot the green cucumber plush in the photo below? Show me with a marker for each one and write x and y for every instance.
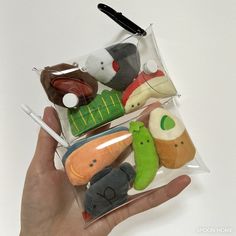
(145, 155)
(105, 107)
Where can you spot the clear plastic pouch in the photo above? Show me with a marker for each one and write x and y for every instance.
(108, 168)
(91, 90)
(119, 118)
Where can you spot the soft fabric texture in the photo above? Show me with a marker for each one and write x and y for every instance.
(81, 142)
(173, 144)
(146, 157)
(61, 79)
(145, 86)
(115, 66)
(108, 189)
(105, 107)
(90, 158)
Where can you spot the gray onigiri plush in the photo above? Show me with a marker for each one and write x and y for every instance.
(115, 66)
(108, 189)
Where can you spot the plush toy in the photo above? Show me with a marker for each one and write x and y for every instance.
(62, 80)
(108, 189)
(173, 143)
(145, 86)
(115, 66)
(90, 158)
(146, 157)
(81, 142)
(105, 107)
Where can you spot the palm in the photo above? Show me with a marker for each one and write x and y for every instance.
(49, 196)
(48, 203)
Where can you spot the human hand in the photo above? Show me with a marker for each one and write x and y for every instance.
(48, 203)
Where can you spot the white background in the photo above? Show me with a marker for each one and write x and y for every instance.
(197, 39)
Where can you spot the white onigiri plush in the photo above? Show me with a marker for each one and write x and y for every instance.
(115, 66)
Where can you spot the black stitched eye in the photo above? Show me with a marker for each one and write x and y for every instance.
(182, 142)
(132, 105)
(102, 68)
(91, 165)
(101, 62)
(94, 160)
(141, 143)
(148, 140)
(176, 145)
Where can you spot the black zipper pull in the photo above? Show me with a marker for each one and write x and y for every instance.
(121, 20)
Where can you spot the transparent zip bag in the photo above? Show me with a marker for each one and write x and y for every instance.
(108, 83)
(122, 135)
(110, 168)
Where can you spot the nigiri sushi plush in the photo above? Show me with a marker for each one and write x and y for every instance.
(90, 158)
(63, 79)
(108, 189)
(173, 143)
(145, 86)
(115, 66)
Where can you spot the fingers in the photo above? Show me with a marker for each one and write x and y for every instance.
(43, 159)
(153, 199)
(160, 196)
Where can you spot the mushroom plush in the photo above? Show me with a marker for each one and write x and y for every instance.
(173, 143)
(145, 86)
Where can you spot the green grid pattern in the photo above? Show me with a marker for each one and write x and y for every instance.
(105, 107)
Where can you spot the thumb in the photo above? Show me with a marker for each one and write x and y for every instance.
(43, 159)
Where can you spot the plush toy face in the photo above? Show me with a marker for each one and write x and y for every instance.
(62, 79)
(176, 153)
(104, 107)
(115, 66)
(146, 86)
(100, 65)
(83, 141)
(108, 189)
(173, 143)
(146, 158)
(87, 160)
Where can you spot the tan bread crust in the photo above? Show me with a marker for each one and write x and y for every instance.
(175, 153)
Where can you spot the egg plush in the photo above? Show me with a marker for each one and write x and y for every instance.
(115, 66)
(173, 144)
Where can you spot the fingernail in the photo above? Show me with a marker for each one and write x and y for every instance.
(186, 180)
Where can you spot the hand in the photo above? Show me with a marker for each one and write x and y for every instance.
(48, 204)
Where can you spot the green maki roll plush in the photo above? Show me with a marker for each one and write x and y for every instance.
(146, 157)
